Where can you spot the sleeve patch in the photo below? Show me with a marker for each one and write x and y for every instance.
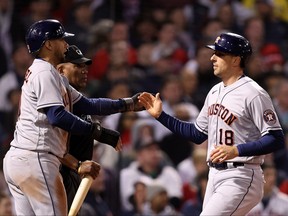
(269, 117)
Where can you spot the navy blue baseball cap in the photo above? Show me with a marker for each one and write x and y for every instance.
(75, 56)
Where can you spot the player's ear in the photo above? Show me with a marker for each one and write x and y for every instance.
(60, 68)
(48, 44)
(236, 60)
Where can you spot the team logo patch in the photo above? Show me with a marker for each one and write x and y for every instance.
(217, 39)
(269, 117)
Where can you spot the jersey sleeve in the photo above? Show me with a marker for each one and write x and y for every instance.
(75, 95)
(47, 89)
(263, 114)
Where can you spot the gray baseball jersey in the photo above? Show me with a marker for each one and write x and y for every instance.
(43, 87)
(236, 114)
(31, 173)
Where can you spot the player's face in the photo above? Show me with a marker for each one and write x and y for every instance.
(59, 47)
(76, 74)
(222, 64)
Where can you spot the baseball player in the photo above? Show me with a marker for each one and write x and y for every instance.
(31, 166)
(241, 126)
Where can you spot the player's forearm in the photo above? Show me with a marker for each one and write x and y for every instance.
(59, 117)
(265, 145)
(98, 106)
(70, 161)
(181, 128)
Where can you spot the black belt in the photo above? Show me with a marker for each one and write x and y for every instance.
(225, 165)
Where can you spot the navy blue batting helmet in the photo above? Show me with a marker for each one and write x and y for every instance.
(43, 30)
(233, 44)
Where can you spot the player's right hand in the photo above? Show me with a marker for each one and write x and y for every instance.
(89, 167)
(220, 153)
(152, 104)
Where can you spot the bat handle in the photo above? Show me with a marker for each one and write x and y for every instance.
(80, 195)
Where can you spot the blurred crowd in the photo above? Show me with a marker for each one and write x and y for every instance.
(154, 46)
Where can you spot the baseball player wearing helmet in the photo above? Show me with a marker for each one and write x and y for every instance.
(241, 126)
(31, 166)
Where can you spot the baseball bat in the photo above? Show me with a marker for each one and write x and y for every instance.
(80, 195)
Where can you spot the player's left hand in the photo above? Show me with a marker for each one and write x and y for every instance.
(223, 152)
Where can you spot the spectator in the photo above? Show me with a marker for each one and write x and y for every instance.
(3, 186)
(14, 78)
(143, 68)
(144, 30)
(189, 82)
(213, 7)
(137, 199)
(273, 202)
(37, 10)
(209, 31)
(4, 62)
(275, 29)
(206, 78)
(110, 191)
(272, 58)
(12, 30)
(168, 47)
(148, 166)
(194, 206)
(143, 129)
(197, 15)
(6, 207)
(94, 203)
(107, 10)
(255, 67)
(183, 111)
(124, 127)
(280, 7)
(281, 103)
(227, 17)
(81, 21)
(192, 166)
(254, 30)
(178, 18)
(118, 46)
(158, 201)
(10, 88)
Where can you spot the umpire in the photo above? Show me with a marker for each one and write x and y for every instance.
(80, 146)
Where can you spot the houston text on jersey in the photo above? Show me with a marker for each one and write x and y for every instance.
(222, 112)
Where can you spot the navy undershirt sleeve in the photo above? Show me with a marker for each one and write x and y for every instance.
(271, 142)
(98, 106)
(59, 117)
(182, 128)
